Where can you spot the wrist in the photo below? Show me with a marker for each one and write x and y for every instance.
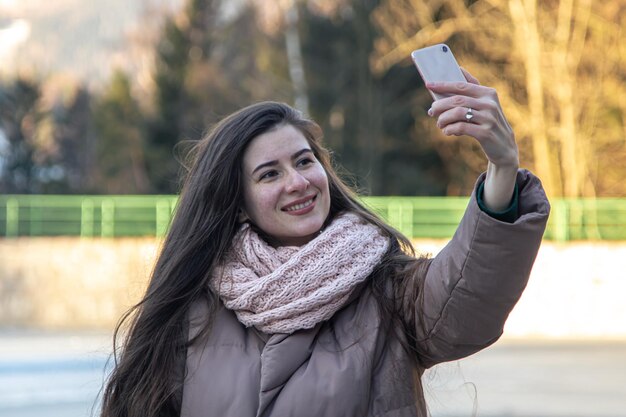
(508, 215)
(505, 169)
(499, 185)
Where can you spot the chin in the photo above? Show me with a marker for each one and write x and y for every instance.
(312, 227)
(307, 232)
(302, 235)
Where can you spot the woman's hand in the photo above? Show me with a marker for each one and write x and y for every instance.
(486, 123)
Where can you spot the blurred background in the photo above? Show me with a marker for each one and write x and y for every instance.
(99, 100)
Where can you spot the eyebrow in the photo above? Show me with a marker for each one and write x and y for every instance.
(275, 162)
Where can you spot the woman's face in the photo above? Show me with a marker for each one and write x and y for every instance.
(285, 188)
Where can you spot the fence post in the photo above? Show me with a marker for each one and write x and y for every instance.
(163, 213)
(590, 219)
(401, 216)
(13, 219)
(108, 218)
(34, 216)
(561, 220)
(86, 217)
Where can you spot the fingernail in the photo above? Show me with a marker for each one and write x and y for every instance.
(430, 112)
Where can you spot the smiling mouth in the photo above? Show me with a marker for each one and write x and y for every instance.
(300, 206)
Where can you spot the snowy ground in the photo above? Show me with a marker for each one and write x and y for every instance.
(60, 375)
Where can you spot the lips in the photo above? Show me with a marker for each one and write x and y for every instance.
(300, 204)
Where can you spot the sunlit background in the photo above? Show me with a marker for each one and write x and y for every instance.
(98, 100)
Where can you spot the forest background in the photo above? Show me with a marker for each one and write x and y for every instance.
(120, 123)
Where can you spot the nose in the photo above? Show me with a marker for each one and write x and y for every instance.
(296, 182)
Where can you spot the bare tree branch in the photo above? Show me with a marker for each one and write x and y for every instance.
(559, 68)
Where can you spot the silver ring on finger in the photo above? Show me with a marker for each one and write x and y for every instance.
(469, 114)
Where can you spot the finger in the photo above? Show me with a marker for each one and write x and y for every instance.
(463, 115)
(469, 77)
(463, 129)
(457, 88)
(444, 105)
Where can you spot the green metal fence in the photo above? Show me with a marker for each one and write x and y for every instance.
(87, 216)
(416, 217)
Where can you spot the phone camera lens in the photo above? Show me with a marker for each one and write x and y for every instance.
(444, 48)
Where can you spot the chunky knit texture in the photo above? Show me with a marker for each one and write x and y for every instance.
(284, 289)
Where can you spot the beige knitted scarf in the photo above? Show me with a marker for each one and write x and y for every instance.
(284, 289)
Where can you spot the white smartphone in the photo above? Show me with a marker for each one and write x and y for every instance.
(437, 63)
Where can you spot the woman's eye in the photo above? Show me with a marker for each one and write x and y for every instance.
(268, 174)
(305, 161)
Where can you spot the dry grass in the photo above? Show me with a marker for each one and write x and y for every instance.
(71, 282)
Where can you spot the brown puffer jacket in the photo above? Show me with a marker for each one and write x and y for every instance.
(351, 365)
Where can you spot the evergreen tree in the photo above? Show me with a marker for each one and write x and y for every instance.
(368, 119)
(164, 131)
(18, 120)
(47, 128)
(120, 151)
(69, 161)
(207, 67)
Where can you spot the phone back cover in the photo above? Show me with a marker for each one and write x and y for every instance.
(435, 65)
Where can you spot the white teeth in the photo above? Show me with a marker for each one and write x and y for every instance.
(300, 206)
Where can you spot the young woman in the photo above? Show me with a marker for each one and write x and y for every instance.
(277, 293)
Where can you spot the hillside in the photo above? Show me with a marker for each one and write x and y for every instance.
(85, 39)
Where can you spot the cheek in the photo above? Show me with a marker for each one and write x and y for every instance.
(320, 179)
(259, 201)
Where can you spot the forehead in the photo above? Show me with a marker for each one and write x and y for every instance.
(276, 144)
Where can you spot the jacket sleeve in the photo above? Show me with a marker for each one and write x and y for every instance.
(472, 285)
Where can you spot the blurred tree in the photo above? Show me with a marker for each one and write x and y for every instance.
(165, 130)
(211, 62)
(65, 151)
(559, 68)
(47, 127)
(208, 65)
(18, 121)
(368, 118)
(119, 126)
(76, 143)
(289, 11)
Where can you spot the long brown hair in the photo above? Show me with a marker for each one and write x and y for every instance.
(147, 378)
